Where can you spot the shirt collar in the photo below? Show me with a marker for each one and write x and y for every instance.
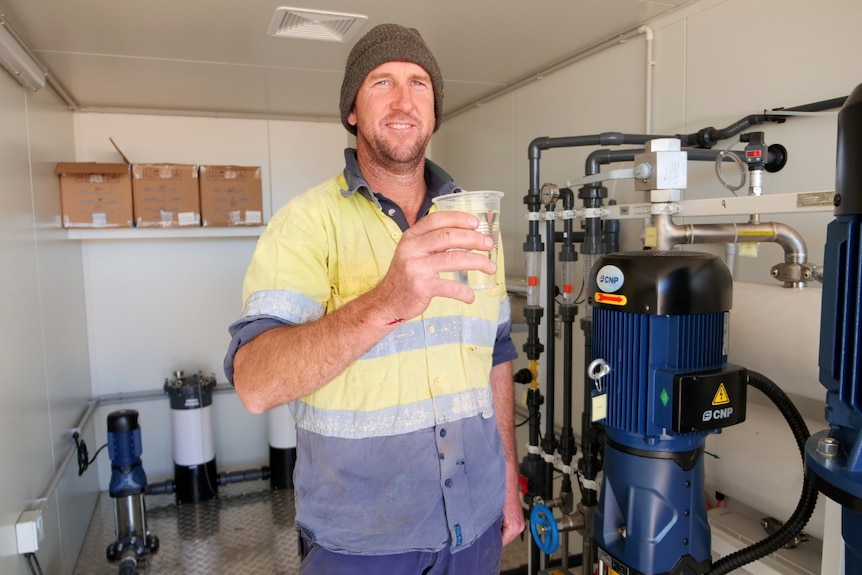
(437, 181)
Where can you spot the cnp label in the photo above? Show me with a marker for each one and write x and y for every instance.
(716, 414)
(610, 278)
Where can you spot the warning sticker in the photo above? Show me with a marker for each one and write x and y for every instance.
(721, 396)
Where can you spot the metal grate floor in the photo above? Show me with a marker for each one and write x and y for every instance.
(248, 529)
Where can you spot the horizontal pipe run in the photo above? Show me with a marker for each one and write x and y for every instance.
(42, 501)
(670, 235)
(151, 395)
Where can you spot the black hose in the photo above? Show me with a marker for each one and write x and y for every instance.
(244, 475)
(166, 486)
(807, 499)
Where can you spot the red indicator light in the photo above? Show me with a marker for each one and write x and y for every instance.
(753, 154)
(532, 281)
(567, 288)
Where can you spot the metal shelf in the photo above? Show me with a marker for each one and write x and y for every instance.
(163, 233)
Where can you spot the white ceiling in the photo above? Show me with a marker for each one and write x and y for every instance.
(214, 56)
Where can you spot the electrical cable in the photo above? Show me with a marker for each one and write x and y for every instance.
(33, 564)
(206, 470)
(807, 499)
(743, 169)
(579, 299)
(83, 456)
(529, 418)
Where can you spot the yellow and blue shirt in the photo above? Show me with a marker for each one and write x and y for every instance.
(400, 452)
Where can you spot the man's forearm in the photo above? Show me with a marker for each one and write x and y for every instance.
(502, 387)
(286, 363)
(504, 406)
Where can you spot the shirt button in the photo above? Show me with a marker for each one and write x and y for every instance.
(436, 381)
(431, 329)
(391, 211)
(442, 433)
(448, 483)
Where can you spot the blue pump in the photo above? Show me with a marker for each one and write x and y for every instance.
(833, 457)
(661, 331)
(127, 488)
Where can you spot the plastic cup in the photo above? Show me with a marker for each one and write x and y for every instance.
(485, 205)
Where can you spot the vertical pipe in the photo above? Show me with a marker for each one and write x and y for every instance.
(568, 310)
(648, 36)
(549, 443)
(533, 313)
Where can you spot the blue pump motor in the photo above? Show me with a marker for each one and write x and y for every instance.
(833, 457)
(660, 333)
(124, 450)
(127, 488)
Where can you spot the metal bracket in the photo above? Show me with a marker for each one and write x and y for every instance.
(771, 525)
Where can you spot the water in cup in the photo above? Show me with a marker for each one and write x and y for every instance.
(485, 205)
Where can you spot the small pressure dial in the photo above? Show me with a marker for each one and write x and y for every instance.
(549, 193)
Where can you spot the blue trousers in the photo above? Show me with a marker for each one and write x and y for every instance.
(480, 558)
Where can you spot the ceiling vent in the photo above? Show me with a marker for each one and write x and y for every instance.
(315, 24)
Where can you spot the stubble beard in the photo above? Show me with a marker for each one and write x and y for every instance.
(397, 156)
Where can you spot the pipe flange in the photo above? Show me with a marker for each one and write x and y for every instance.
(793, 273)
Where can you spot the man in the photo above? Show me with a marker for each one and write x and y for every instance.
(400, 381)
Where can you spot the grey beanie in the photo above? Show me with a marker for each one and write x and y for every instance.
(388, 43)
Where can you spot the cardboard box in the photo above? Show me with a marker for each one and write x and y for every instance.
(231, 196)
(95, 195)
(165, 195)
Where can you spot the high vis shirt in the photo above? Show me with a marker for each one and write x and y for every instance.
(400, 451)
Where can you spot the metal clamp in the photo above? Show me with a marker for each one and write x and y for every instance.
(597, 369)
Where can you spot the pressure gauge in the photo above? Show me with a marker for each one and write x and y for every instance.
(549, 193)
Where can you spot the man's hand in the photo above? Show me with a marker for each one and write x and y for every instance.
(439, 242)
(513, 516)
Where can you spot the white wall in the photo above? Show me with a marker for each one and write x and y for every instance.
(110, 317)
(715, 63)
(43, 340)
(156, 305)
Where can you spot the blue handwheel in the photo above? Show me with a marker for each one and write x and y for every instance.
(544, 529)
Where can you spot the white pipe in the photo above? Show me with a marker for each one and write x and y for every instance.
(730, 251)
(282, 428)
(648, 37)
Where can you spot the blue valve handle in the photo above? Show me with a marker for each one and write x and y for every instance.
(544, 529)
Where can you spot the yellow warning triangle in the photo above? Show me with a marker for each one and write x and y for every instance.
(721, 396)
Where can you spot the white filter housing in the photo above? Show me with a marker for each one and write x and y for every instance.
(193, 437)
(282, 428)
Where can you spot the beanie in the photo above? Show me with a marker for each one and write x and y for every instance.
(388, 43)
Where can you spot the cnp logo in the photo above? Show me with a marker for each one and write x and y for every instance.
(610, 278)
(717, 414)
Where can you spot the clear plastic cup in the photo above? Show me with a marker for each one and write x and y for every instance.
(485, 205)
